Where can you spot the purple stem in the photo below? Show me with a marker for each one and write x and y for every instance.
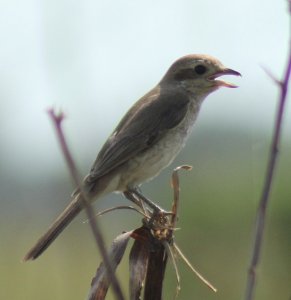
(261, 214)
(57, 120)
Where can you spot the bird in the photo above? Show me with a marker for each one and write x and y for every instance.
(148, 137)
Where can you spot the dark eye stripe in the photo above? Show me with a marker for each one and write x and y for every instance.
(190, 73)
(185, 74)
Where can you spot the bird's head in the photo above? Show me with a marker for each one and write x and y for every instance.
(198, 73)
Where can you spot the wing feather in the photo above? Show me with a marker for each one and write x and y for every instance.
(140, 129)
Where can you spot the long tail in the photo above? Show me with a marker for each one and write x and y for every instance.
(71, 211)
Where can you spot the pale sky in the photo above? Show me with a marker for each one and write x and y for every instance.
(93, 59)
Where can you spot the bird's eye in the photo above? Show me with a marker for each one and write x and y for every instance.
(200, 69)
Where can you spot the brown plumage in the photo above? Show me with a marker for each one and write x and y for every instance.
(148, 137)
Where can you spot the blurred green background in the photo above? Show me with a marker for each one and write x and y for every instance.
(93, 59)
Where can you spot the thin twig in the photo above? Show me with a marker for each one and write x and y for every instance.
(176, 187)
(108, 210)
(57, 120)
(186, 261)
(172, 256)
(261, 214)
(271, 75)
(173, 246)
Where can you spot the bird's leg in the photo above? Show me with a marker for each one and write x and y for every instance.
(156, 218)
(155, 208)
(145, 209)
(137, 193)
(131, 197)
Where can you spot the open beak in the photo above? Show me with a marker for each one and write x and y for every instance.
(220, 83)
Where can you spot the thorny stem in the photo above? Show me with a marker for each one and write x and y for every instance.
(261, 214)
(57, 120)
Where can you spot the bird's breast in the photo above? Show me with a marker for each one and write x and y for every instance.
(149, 163)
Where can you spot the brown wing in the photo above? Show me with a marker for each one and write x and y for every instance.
(140, 129)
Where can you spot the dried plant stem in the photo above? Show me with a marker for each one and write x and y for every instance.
(186, 261)
(261, 214)
(105, 211)
(176, 187)
(173, 259)
(57, 120)
(155, 272)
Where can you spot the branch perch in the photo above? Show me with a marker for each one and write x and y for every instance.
(265, 196)
(57, 121)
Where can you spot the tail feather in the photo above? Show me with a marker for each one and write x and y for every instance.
(71, 211)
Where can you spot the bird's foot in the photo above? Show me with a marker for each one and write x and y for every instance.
(135, 195)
